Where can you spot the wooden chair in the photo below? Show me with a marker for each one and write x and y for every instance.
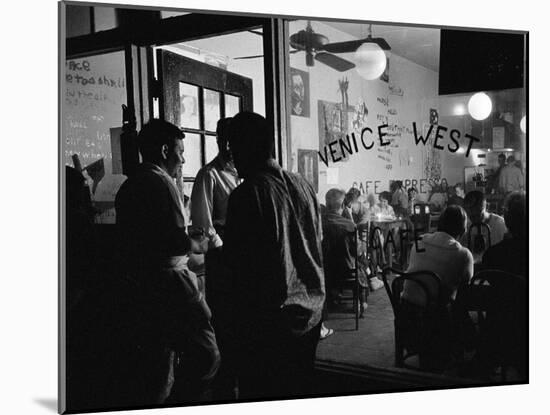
(421, 218)
(350, 279)
(413, 325)
(500, 302)
(482, 230)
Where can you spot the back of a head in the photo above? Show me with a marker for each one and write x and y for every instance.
(453, 221)
(154, 135)
(222, 127)
(474, 198)
(352, 196)
(385, 195)
(250, 135)
(515, 216)
(335, 199)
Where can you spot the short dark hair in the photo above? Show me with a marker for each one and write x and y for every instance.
(334, 199)
(411, 189)
(515, 216)
(254, 135)
(351, 196)
(154, 135)
(453, 221)
(222, 127)
(385, 195)
(474, 198)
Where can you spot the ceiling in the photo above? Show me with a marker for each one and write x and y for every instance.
(419, 45)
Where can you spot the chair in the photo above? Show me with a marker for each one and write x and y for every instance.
(500, 301)
(483, 231)
(421, 218)
(413, 325)
(332, 254)
(375, 247)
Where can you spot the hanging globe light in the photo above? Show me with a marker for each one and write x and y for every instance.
(480, 106)
(370, 61)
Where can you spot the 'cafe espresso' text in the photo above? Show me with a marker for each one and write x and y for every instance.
(350, 145)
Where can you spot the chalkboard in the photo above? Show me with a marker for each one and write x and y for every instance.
(95, 90)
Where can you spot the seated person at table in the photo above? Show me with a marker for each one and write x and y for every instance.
(372, 206)
(475, 204)
(339, 249)
(399, 199)
(353, 206)
(510, 254)
(444, 255)
(457, 197)
(386, 211)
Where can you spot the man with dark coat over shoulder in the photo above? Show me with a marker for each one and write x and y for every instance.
(272, 247)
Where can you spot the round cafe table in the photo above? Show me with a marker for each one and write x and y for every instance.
(386, 225)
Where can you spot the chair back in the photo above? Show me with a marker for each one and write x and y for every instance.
(336, 253)
(415, 327)
(421, 217)
(428, 282)
(479, 237)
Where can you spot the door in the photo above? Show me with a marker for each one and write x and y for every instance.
(194, 96)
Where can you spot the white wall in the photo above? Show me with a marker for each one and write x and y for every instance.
(404, 160)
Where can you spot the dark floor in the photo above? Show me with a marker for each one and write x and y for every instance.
(372, 344)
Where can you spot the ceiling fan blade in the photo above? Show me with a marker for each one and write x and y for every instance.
(249, 57)
(342, 47)
(261, 56)
(379, 41)
(341, 65)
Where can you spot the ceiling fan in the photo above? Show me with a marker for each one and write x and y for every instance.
(353, 45)
(316, 46)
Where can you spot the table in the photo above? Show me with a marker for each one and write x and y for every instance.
(386, 225)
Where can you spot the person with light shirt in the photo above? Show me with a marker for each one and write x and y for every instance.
(475, 204)
(213, 185)
(511, 177)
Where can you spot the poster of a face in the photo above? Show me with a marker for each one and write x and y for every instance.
(300, 92)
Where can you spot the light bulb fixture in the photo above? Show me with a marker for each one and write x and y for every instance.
(370, 59)
(522, 124)
(480, 106)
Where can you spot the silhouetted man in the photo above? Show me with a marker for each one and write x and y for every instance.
(174, 324)
(273, 248)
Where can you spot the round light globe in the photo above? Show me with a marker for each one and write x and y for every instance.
(522, 124)
(370, 61)
(480, 106)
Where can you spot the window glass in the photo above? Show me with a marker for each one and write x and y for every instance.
(95, 90)
(232, 105)
(192, 155)
(212, 111)
(189, 106)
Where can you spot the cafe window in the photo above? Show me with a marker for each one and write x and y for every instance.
(399, 94)
(374, 104)
(94, 92)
